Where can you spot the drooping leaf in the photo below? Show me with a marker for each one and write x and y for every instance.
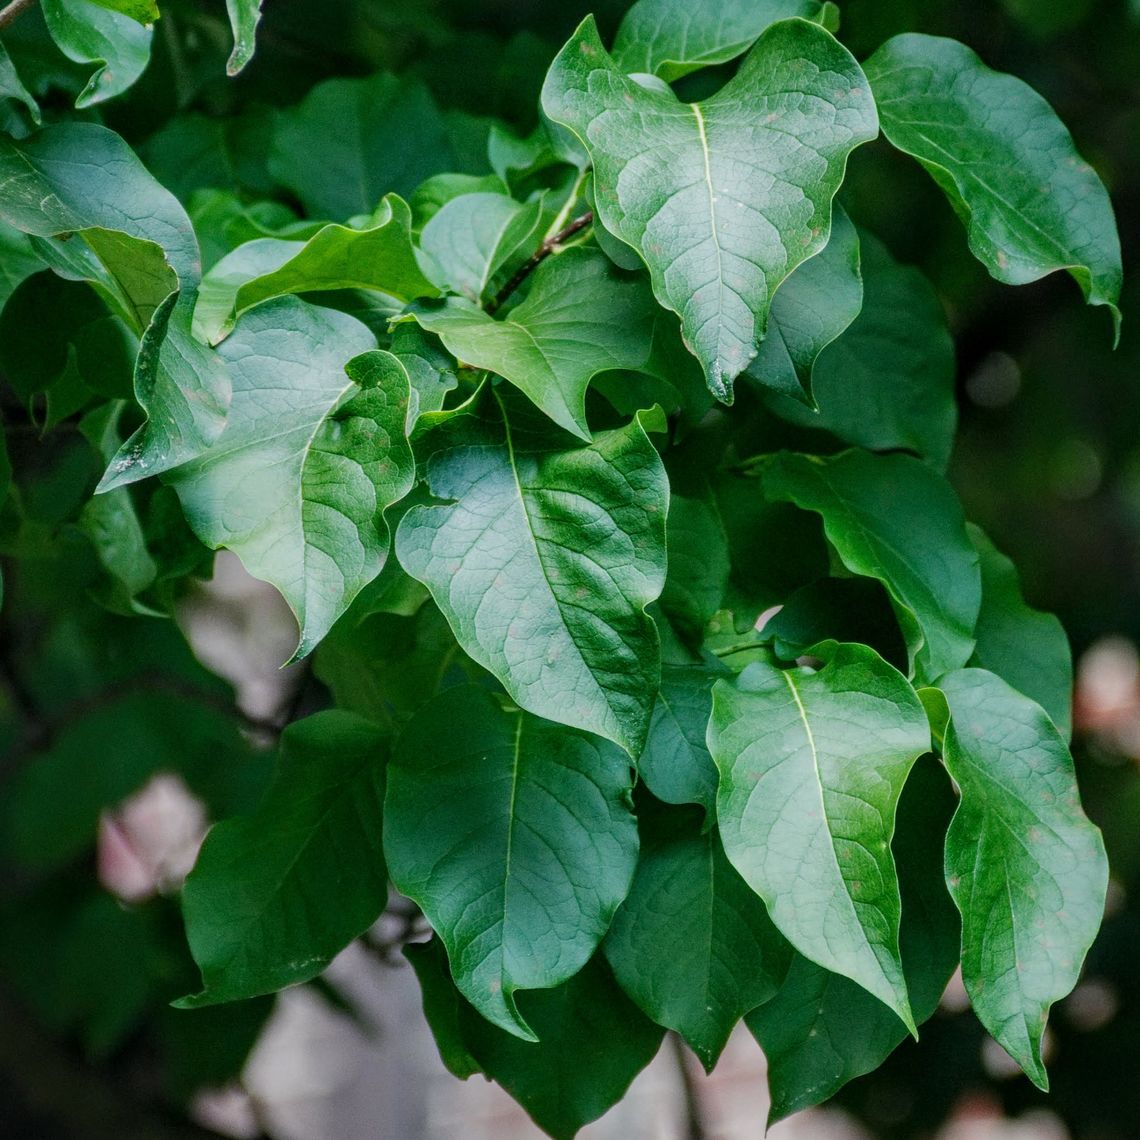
(693, 944)
(582, 316)
(592, 1042)
(814, 306)
(89, 32)
(722, 199)
(888, 382)
(1024, 865)
(811, 765)
(675, 763)
(244, 17)
(1025, 647)
(670, 38)
(312, 454)
(12, 87)
(516, 838)
(543, 556)
(821, 1030)
(274, 896)
(474, 235)
(399, 139)
(82, 179)
(891, 517)
(378, 257)
(1008, 165)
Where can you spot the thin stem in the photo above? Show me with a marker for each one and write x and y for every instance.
(550, 245)
(567, 206)
(738, 647)
(694, 1116)
(10, 11)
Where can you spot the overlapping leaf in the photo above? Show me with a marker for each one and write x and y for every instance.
(543, 556)
(722, 199)
(891, 517)
(274, 896)
(582, 316)
(1024, 865)
(312, 454)
(812, 764)
(517, 839)
(1008, 165)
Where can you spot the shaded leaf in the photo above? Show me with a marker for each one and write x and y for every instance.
(722, 199)
(698, 564)
(1008, 165)
(244, 17)
(811, 768)
(12, 87)
(517, 840)
(275, 896)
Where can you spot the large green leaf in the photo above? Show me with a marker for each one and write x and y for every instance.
(891, 517)
(1008, 165)
(722, 199)
(582, 316)
(670, 38)
(244, 17)
(350, 141)
(693, 944)
(472, 236)
(821, 1030)
(675, 763)
(517, 839)
(90, 32)
(888, 382)
(814, 306)
(1025, 647)
(812, 764)
(593, 1042)
(311, 456)
(276, 895)
(543, 556)
(82, 179)
(1024, 865)
(379, 257)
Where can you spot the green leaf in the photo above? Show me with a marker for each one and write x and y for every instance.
(891, 517)
(698, 565)
(432, 372)
(432, 195)
(582, 316)
(543, 558)
(675, 763)
(474, 236)
(593, 1042)
(378, 257)
(311, 456)
(722, 199)
(12, 87)
(814, 306)
(671, 38)
(276, 895)
(1025, 647)
(81, 179)
(1024, 865)
(693, 944)
(141, 11)
(888, 382)
(821, 1030)
(89, 32)
(18, 260)
(352, 140)
(517, 839)
(244, 17)
(1008, 165)
(812, 764)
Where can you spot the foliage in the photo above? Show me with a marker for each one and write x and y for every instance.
(529, 420)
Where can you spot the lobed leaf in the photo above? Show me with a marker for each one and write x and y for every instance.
(721, 199)
(811, 765)
(1008, 165)
(276, 895)
(517, 839)
(312, 454)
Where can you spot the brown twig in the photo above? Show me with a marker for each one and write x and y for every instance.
(537, 258)
(10, 11)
